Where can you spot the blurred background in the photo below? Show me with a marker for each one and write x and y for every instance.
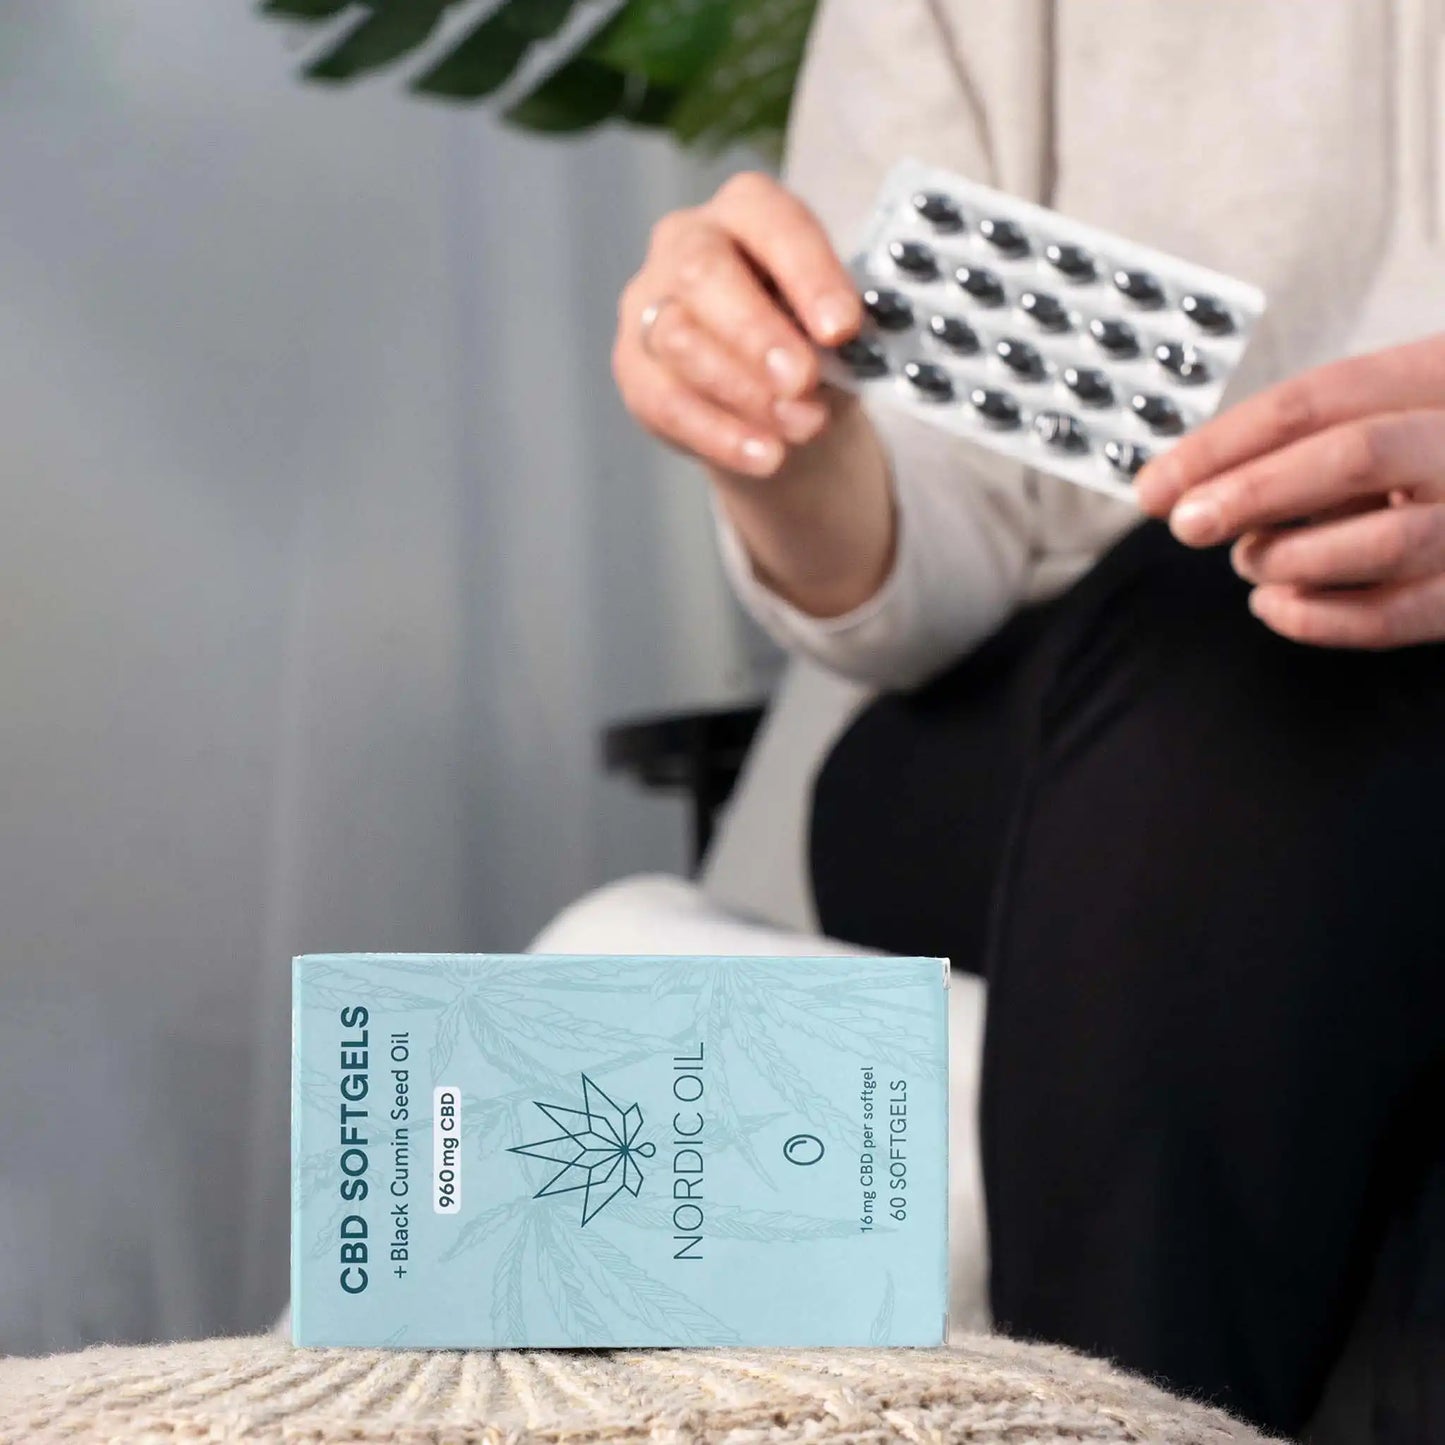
(326, 552)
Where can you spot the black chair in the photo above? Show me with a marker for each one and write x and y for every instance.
(699, 754)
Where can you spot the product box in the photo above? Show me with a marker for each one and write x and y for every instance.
(506, 1151)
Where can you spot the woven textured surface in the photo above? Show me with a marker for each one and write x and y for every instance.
(261, 1389)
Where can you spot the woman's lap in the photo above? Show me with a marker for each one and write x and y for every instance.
(1197, 865)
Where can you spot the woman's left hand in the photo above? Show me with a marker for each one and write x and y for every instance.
(1332, 488)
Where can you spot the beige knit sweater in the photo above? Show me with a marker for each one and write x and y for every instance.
(1293, 143)
(264, 1390)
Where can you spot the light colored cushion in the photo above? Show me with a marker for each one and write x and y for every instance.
(263, 1390)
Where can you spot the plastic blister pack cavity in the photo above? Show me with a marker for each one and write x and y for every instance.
(1073, 350)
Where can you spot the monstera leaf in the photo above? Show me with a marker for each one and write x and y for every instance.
(713, 72)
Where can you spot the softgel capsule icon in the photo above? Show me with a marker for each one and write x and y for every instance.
(1072, 350)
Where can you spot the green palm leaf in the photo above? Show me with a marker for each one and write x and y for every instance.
(711, 71)
(667, 41)
(385, 34)
(746, 90)
(304, 9)
(484, 59)
(580, 95)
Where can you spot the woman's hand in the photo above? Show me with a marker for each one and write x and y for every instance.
(716, 353)
(1332, 488)
(715, 337)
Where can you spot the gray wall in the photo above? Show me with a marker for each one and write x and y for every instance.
(324, 550)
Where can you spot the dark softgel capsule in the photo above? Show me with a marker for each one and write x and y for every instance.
(1006, 237)
(996, 407)
(1208, 313)
(1183, 363)
(915, 259)
(1090, 385)
(982, 284)
(1071, 261)
(1061, 431)
(1047, 312)
(955, 333)
(940, 212)
(1020, 358)
(932, 380)
(862, 357)
(1158, 413)
(889, 309)
(1118, 338)
(1125, 457)
(1141, 287)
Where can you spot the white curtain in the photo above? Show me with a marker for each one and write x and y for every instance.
(325, 550)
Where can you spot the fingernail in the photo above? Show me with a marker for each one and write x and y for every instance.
(1254, 606)
(801, 421)
(762, 454)
(1197, 521)
(1239, 559)
(788, 371)
(835, 314)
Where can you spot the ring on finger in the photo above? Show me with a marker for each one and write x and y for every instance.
(647, 322)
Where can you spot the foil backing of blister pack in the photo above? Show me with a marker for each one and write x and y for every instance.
(1073, 350)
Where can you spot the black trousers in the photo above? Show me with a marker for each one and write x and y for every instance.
(1203, 871)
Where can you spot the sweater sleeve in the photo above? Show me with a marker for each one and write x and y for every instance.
(882, 82)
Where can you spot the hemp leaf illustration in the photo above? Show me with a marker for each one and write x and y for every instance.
(597, 1149)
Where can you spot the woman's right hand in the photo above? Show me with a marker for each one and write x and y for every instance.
(716, 336)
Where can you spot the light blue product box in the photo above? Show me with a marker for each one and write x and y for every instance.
(522, 1151)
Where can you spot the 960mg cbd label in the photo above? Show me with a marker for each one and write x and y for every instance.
(446, 1149)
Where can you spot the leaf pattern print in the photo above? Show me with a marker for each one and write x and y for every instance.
(732, 1221)
(445, 1041)
(499, 1049)
(730, 1124)
(560, 1028)
(589, 975)
(504, 1010)
(668, 1313)
(481, 1226)
(311, 1086)
(526, 972)
(509, 1320)
(564, 1287)
(331, 987)
(438, 973)
(497, 1114)
(757, 1003)
(881, 1330)
(876, 976)
(311, 1174)
(316, 1178)
(762, 1048)
(841, 1027)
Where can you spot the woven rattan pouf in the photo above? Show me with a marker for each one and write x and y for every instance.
(261, 1389)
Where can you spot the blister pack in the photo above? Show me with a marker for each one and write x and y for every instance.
(1068, 348)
